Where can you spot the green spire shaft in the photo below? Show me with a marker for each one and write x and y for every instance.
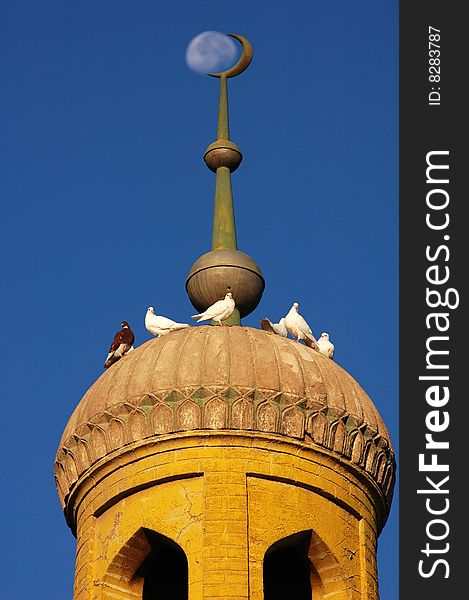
(223, 132)
(224, 227)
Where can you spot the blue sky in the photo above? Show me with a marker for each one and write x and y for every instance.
(106, 203)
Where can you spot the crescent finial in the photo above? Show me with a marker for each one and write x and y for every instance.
(244, 61)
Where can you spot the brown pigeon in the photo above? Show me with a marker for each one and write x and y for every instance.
(278, 328)
(121, 344)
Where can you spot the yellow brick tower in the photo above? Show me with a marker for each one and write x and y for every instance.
(225, 461)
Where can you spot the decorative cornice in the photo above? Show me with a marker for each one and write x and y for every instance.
(219, 408)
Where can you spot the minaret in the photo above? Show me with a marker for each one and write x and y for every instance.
(225, 462)
(225, 268)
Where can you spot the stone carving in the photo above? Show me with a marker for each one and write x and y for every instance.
(242, 414)
(293, 422)
(237, 408)
(215, 414)
(267, 417)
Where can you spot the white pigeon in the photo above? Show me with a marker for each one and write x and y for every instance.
(299, 328)
(158, 325)
(278, 328)
(325, 346)
(219, 311)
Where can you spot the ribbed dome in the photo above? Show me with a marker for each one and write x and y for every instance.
(222, 378)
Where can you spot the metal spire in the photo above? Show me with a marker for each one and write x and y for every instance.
(223, 157)
(225, 269)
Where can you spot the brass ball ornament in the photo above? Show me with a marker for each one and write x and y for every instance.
(223, 153)
(220, 271)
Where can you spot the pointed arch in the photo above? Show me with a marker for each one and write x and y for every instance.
(293, 422)
(287, 569)
(116, 434)
(241, 414)
(188, 416)
(137, 427)
(302, 567)
(267, 416)
(215, 414)
(149, 566)
(164, 571)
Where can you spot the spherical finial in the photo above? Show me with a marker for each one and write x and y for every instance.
(223, 153)
(220, 271)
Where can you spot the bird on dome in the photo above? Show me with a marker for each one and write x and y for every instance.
(325, 346)
(298, 328)
(278, 328)
(219, 311)
(121, 345)
(159, 325)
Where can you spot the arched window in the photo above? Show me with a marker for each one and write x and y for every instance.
(287, 569)
(164, 571)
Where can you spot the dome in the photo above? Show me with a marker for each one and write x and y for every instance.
(226, 378)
